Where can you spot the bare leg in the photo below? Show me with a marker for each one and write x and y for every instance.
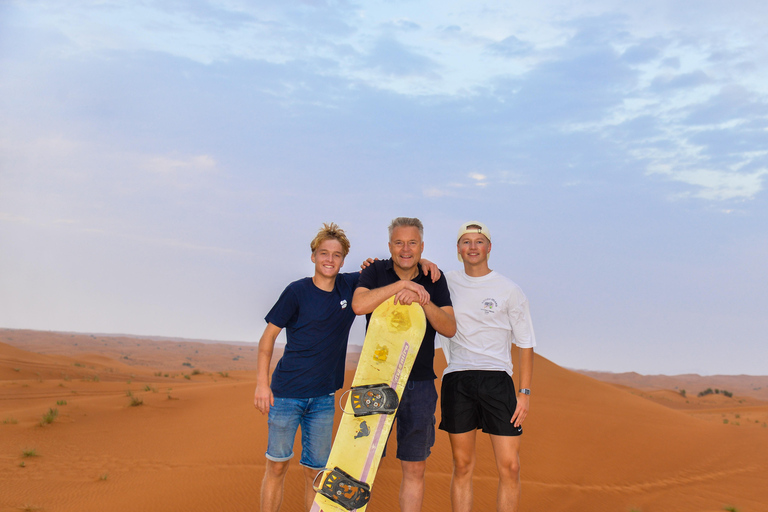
(507, 452)
(309, 489)
(272, 485)
(412, 485)
(463, 449)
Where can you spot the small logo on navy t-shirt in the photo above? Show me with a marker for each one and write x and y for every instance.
(343, 304)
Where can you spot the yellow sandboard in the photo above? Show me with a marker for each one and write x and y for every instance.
(391, 343)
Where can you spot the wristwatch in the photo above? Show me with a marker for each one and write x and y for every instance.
(525, 391)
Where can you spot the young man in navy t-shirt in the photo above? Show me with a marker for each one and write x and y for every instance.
(317, 315)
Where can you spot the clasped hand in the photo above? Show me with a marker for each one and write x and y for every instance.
(412, 292)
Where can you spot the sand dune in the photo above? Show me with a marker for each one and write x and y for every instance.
(692, 384)
(195, 442)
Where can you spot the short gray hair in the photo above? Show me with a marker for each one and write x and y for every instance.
(407, 222)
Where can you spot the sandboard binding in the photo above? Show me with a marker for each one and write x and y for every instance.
(373, 399)
(345, 490)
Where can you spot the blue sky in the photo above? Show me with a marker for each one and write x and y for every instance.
(164, 164)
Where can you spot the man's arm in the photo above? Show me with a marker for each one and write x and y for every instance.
(442, 319)
(263, 398)
(364, 301)
(526, 377)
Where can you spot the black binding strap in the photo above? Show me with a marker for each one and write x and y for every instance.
(373, 399)
(345, 490)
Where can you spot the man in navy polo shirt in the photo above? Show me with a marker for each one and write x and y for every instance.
(403, 277)
(317, 315)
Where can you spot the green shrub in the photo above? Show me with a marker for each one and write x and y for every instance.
(49, 417)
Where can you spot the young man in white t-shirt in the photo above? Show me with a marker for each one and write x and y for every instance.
(477, 391)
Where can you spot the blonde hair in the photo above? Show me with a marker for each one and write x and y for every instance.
(330, 232)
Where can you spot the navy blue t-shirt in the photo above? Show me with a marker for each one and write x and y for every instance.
(317, 326)
(382, 273)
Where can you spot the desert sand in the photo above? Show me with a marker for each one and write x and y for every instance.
(169, 425)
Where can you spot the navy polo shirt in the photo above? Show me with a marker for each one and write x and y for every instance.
(382, 273)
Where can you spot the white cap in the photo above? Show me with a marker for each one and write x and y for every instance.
(477, 227)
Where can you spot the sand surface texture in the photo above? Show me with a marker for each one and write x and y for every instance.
(169, 425)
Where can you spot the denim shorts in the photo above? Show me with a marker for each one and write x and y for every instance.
(415, 421)
(315, 416)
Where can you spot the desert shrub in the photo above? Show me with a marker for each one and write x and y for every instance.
(49, 417)
(710, 391)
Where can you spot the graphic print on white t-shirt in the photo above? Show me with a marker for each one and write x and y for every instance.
(492, 314)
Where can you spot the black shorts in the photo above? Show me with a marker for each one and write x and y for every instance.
(475, 399)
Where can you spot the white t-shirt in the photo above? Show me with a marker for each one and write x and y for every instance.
(492, 313)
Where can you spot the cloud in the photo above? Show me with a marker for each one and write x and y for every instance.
(669, 81)
(437, 192)
(718, 185)
(644, 51)
(15, 219)
(392, 58)
(167, 165)
(510, 47)
(402, 24)
(671, 62)
(472, 182)
(733, 102)
(480, 180)
(209, 14)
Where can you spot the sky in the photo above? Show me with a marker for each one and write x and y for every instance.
(165, 164)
